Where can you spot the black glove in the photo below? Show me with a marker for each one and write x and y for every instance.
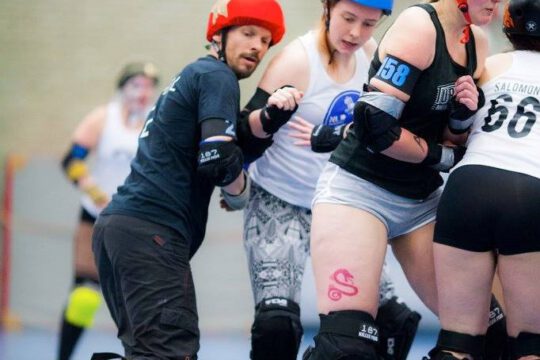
(220, 161)
(460, 117)
(273, 118)
(443, 158)
(326, 138)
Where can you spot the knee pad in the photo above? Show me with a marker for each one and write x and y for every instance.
(345, 335)
(458, 342)
(276, 332)
(107, 356)
(496, 344)
(525, 344)
(397, 328)
(83, 303)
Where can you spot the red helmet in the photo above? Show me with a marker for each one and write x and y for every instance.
(265, 13)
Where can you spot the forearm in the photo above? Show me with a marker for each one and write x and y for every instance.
(408, 148)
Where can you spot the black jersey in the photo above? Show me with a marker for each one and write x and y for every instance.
(163, 186)
(425, 114)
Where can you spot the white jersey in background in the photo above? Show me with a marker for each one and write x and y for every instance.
(506, 131)
(115, 150)
(289, 171)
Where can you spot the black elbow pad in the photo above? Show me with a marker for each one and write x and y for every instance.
(376, 122)
(221, 162)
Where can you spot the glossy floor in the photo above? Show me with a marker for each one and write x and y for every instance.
(39, 344)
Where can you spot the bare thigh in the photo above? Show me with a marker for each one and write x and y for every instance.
(83, 255)
(519, 278)
(464, 281)
(348, 246)
(414, 251)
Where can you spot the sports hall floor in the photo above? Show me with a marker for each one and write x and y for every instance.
(40, 344)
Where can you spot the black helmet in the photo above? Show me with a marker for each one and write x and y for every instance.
(522, 17)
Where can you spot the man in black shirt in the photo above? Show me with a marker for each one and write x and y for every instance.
(145, 238)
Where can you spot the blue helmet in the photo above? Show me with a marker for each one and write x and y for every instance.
(384, 5)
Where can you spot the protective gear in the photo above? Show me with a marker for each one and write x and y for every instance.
(522, 17)
(82, 305)
(376, 120)
(326, 138)
(463, 6)
(73, 162)
(107, 356)
(398, 73)
(238, 202)
(265, 13)
(273, 118)
(252, 147)
(220, 161)
(496, 344)
(276, 331)
(398, 325)
(461, 117)
(437, 354)
(347, 334)
(457, 342)
(131, 70)
(443, 158)
(95, 193)
(525, 344)
(384, 5)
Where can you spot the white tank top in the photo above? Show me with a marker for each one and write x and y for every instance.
(288, 171)
(506, 131)
(114, 152)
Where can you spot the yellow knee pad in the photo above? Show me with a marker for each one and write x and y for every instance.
(83, 303)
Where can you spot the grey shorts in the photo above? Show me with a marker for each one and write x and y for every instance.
(400, 215)
(276, 240)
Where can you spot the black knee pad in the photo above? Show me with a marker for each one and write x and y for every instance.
(107, 356)
(458, 342)
(345, 335)
(397, 327)
(496, 344)
(276, 332)
(525, 344)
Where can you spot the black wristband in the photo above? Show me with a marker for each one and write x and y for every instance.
(434, 154)
(273, 118)
(326, 138)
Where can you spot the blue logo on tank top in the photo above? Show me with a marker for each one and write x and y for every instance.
(340, 111)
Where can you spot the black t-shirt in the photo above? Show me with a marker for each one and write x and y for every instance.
(425, 115)
(163, 186)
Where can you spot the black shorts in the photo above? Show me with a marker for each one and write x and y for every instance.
(85, 216)
(484, 208)
(147, 283)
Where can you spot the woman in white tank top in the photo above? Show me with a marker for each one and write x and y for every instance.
(110, 132)
(488, 217)
(328, 66)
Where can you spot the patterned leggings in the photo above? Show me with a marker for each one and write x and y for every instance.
(276, 240)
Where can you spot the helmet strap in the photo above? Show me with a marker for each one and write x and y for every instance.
(464, 8)
(221, 50)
